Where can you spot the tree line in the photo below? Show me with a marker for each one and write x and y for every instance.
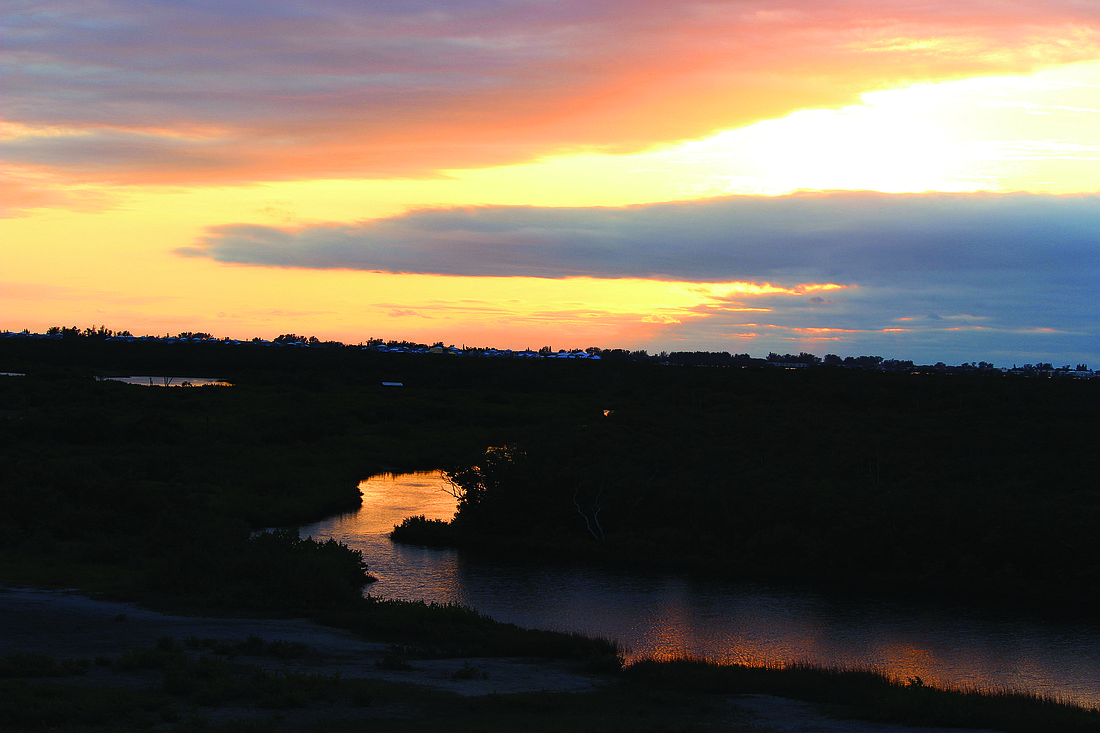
(673, 358)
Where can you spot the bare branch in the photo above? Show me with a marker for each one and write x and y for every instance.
(452, 487)
(595, 514)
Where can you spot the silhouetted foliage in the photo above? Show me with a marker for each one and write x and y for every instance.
(952, 481)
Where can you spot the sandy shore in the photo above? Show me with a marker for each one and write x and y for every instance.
(70, 625)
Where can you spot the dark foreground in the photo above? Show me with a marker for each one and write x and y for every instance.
(73, 663)
(943, 485)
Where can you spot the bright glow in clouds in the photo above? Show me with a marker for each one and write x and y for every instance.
(977, 134)
(1039, 133)
(529, 174)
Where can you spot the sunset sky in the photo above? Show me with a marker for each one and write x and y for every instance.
(915, 180)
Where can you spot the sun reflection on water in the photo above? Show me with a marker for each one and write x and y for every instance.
(665, 615)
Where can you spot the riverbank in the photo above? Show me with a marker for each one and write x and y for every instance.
(406, 690)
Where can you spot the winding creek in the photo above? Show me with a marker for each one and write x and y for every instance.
(663, 614)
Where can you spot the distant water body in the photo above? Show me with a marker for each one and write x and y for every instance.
(666, 614)
(171, 381)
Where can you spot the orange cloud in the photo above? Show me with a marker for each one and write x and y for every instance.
(243, 92)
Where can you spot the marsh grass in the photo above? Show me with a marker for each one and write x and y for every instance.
(188, 684)
(144, 659)
(252, 646)
(454, 630)
(871, 695)
(215, 678)
(677, 695)
(612, 709)
(51, 705)
(36, 664)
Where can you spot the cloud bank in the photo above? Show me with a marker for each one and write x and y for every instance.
(987, 271)
(191, 91)
(867, 238)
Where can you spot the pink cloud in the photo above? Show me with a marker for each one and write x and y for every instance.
(187, 92)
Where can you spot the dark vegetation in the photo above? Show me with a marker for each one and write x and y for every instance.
(870, 694)
(193, 680)
(160, 494)
(981, 486)
(975, 484)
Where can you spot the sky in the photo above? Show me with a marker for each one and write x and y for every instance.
(910, 179)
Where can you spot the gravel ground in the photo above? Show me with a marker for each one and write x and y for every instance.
(70, 625)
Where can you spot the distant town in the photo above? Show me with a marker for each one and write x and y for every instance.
(773, 360)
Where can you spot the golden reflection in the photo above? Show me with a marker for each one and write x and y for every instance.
(734, 634)
(905, 661)
(388, 498)
(665, 617)
(671, 635)
(783, 641)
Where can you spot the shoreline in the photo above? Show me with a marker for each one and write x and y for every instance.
(70, 624)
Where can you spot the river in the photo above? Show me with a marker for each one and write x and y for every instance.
(666, 614)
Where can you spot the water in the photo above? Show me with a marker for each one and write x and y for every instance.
(169, 381)
(665, 614)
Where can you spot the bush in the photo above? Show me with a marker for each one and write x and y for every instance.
(275, 570)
